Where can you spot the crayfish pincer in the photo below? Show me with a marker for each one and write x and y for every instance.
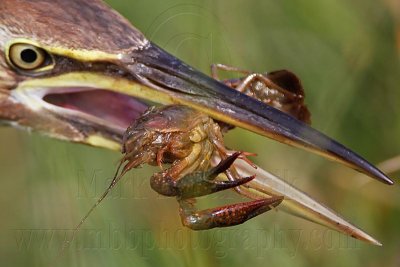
(187, 140)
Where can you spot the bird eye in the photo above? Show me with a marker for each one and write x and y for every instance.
(28, 57)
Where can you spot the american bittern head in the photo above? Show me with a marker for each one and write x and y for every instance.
(77, 70)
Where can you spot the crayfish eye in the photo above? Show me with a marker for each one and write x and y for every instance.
(27, 57)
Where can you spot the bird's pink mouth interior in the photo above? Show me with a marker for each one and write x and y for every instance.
(115, 109)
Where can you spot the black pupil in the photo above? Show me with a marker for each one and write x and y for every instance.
(29, 56)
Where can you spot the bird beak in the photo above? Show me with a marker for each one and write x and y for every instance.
(156, 68)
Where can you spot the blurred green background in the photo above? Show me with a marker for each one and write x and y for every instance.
(347, 55)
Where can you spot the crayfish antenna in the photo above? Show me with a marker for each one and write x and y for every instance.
(117, 177)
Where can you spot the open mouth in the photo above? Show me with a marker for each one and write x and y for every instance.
(111, 108)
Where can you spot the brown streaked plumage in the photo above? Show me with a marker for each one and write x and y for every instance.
(73, 24)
